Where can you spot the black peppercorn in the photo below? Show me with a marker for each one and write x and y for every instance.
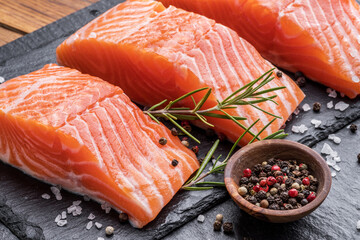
(253, 179)
(261, 195)
(353, 128)
(250, 186)
(187, 127)
(123, 217)
(252, 200)
(298, 74)
(358, 157)
(304, 202)
(305, 172)
(228, 227)
(162, 141)
(279, 74)
(285, 170)
(274, 206)
(292, 201)
(244, 180)
(313, 188)
(267, 168)
(271, 161)
(217, 226)
(279, 201)
(317, 107)
(288, 207)
(257, 168)
(276, 185)
(293, 161)
(284, 196)
(174, 162)
(270, 199)
(306, 193)
(300, 81)
(300, 196)
(262, 174)
(298, 181)
(288, 182)
(297, 173)
(314, 182)
(174, 132)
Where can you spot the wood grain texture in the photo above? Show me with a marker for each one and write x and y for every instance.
(8, 36)
(25, 16)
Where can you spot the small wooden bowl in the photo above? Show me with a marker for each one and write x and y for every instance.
(261, 151)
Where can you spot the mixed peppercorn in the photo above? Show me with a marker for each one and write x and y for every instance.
(278, 184)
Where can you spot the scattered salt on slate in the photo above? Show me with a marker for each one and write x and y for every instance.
(89, 225)
(2, 79)
(332, 157)
(299, 129)
(98, 225)
(341, 106)
(56, 191)
(332, 94)
(75, 209)
(91, 216)
(45, 196)
(336, 139)
(333, 174)
(316, 123)
(62, 223)
(58, 218)
(201, 218)
(306, 107)
(330, 105)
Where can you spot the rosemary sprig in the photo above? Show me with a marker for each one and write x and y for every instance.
(246, 95)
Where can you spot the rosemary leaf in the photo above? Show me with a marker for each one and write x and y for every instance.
(157, 105)
(153, 118)
(203, 119)
(222, 116)
(181, 128)
(263, 129)
(197, 188)
(269, 90)
(202, 101)
(217, 159)
(187, 95)
(222, 184)
(206, 159)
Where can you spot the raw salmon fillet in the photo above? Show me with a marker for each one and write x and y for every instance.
(319, 38)
(155, 53)
(82, 133)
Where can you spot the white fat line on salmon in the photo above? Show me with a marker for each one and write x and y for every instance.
(132, 182)
(332, 29)
(145, 138)
(148, 177)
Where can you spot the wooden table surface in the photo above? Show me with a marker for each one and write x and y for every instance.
(19, 17)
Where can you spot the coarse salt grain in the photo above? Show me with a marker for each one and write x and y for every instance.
(100, 238)
(316, 123)
(63, 215)
(106, 206)
(61, 223)
(56, 191)
(330, 105)
(77, 203)
(302, 128)
(98, 225)
(306, 107)
(91, 216)
(337, 168)
(326, 149)
(89, 225)
(341, 106)
(2, 79)
(332, 94)
(201, 218)
(45, 196)
(333, 174)
(295, 129)
(58, 218)
(71, 209)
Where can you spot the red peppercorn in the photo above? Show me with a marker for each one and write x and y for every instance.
(185, 123)
(293, 192)
(195, 149)
(265, 189)
(256, 188)
(279, 179)
(311, 197)
(275, 168)
(247, 172)
(270, 181)
(263, 183)
(306, 181)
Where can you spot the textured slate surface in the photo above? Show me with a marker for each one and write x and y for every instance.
(25, 215)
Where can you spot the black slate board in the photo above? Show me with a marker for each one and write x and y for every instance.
(25, 215)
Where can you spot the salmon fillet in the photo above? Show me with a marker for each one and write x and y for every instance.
(82, 133)
(319, 38)
(155, 53)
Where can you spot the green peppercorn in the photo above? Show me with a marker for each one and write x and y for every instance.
(264, 164)
(242, 191)
(219, 217)
(109, 230)
(273, 191)
(295, 185)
